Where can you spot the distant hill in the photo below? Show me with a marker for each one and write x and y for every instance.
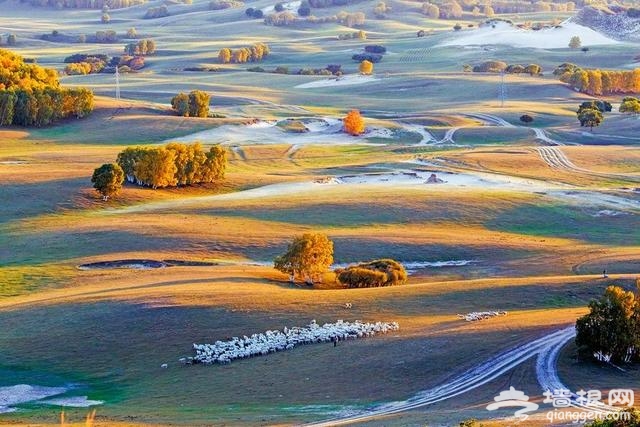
(617, 24)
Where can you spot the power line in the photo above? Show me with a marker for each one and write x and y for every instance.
(117, 83)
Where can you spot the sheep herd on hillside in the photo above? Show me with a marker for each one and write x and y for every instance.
(481, 315)
(271, 341)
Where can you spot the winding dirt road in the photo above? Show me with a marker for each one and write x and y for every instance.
(545, 348)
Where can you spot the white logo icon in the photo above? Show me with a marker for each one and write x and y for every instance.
(513, 398)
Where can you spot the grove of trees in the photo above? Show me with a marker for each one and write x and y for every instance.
(611, 330)
(195, 104)
(141, 48)
(174, 164)
(382, 272)
(107, 180)
(599, 82)
(630, 105)
(308, 257)
(353, 123)
(86, 4)
(253, 53)
(31, 95)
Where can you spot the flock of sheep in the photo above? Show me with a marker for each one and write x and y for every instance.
(481, 315)
(272, 341)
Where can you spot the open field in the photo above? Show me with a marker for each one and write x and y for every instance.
(526, 220)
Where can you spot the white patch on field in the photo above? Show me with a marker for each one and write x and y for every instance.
(607, 212)
(72, 402)
(25, 393)
(291, 6)
(546, 38)
(13, 162)
(351, 79)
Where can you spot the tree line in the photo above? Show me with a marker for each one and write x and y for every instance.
(253, 53)
(86, 4)
(599, 82)
(31, 95)
(175, 164)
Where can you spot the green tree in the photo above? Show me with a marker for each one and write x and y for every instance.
(590, 117)
(180, 103)
(107, 180)
(612, 327)
(307, 257)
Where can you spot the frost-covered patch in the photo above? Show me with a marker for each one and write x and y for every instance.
(503, 33)
(10, 396)
(353, 79)
(607, 212)
(286, 339)
(481, 315)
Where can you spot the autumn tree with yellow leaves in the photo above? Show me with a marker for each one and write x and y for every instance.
(366, 67)
(353, 123)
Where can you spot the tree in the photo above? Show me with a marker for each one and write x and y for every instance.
(105, 19)
(575, 42)
(431, 10)
(199, 103)
(107, 180)
(224, 56)
(366, 67)
(590, 117)
(180, 103)
(279, 7)
(525, 118)
(488, 11)
(382, 272)
(11, 40)
(630, 105)
(304, 9)
(353, 123)
(307, 257)
(132, 33)
(612, 327)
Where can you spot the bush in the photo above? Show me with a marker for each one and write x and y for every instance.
(304, 9)
(156, 12)
(525, 118)
(371, 57)
(382, 272)
(224, 4)
(278, 7)
(281, 70)
(375, 48)
(490, 67)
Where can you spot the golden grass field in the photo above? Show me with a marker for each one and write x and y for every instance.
(536, 235)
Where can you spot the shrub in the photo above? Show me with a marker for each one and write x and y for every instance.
(382, 272)
(224, 4)
(525, 118)
(105, 19)
(156, 12)
(304, 9)
(490, 67)
(375, 48)
(353, 123)
(281, 70)
(278, 7)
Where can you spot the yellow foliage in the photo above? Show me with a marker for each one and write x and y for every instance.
(353, 123)
(366, 67)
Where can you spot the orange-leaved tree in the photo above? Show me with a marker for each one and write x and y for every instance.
(353, 123)
(366, 67)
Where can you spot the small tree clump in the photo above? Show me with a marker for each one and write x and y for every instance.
(382, 272)
(353, 123)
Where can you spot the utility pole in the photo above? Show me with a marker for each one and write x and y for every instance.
(503, 90)
(117, 83)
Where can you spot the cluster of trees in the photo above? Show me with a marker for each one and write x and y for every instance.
(500, 67)
(11, 40)
(329, 3)
(224, 4)
(381, 10)
(353, 123)
(82, 64)
(453, 9)
(173, 165)
(31, 95)
(156, 12)
(329, 70)
(141, 48)
(508, 6)
(381, 272)
(195, 104)
(354, 35)
(254, 13)
(308, 257)
(254, 53)
(612, 327)
(107, 36)
(372, 53)
(599, 82)
(285, 18)
(86, 4)
(630, 104)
